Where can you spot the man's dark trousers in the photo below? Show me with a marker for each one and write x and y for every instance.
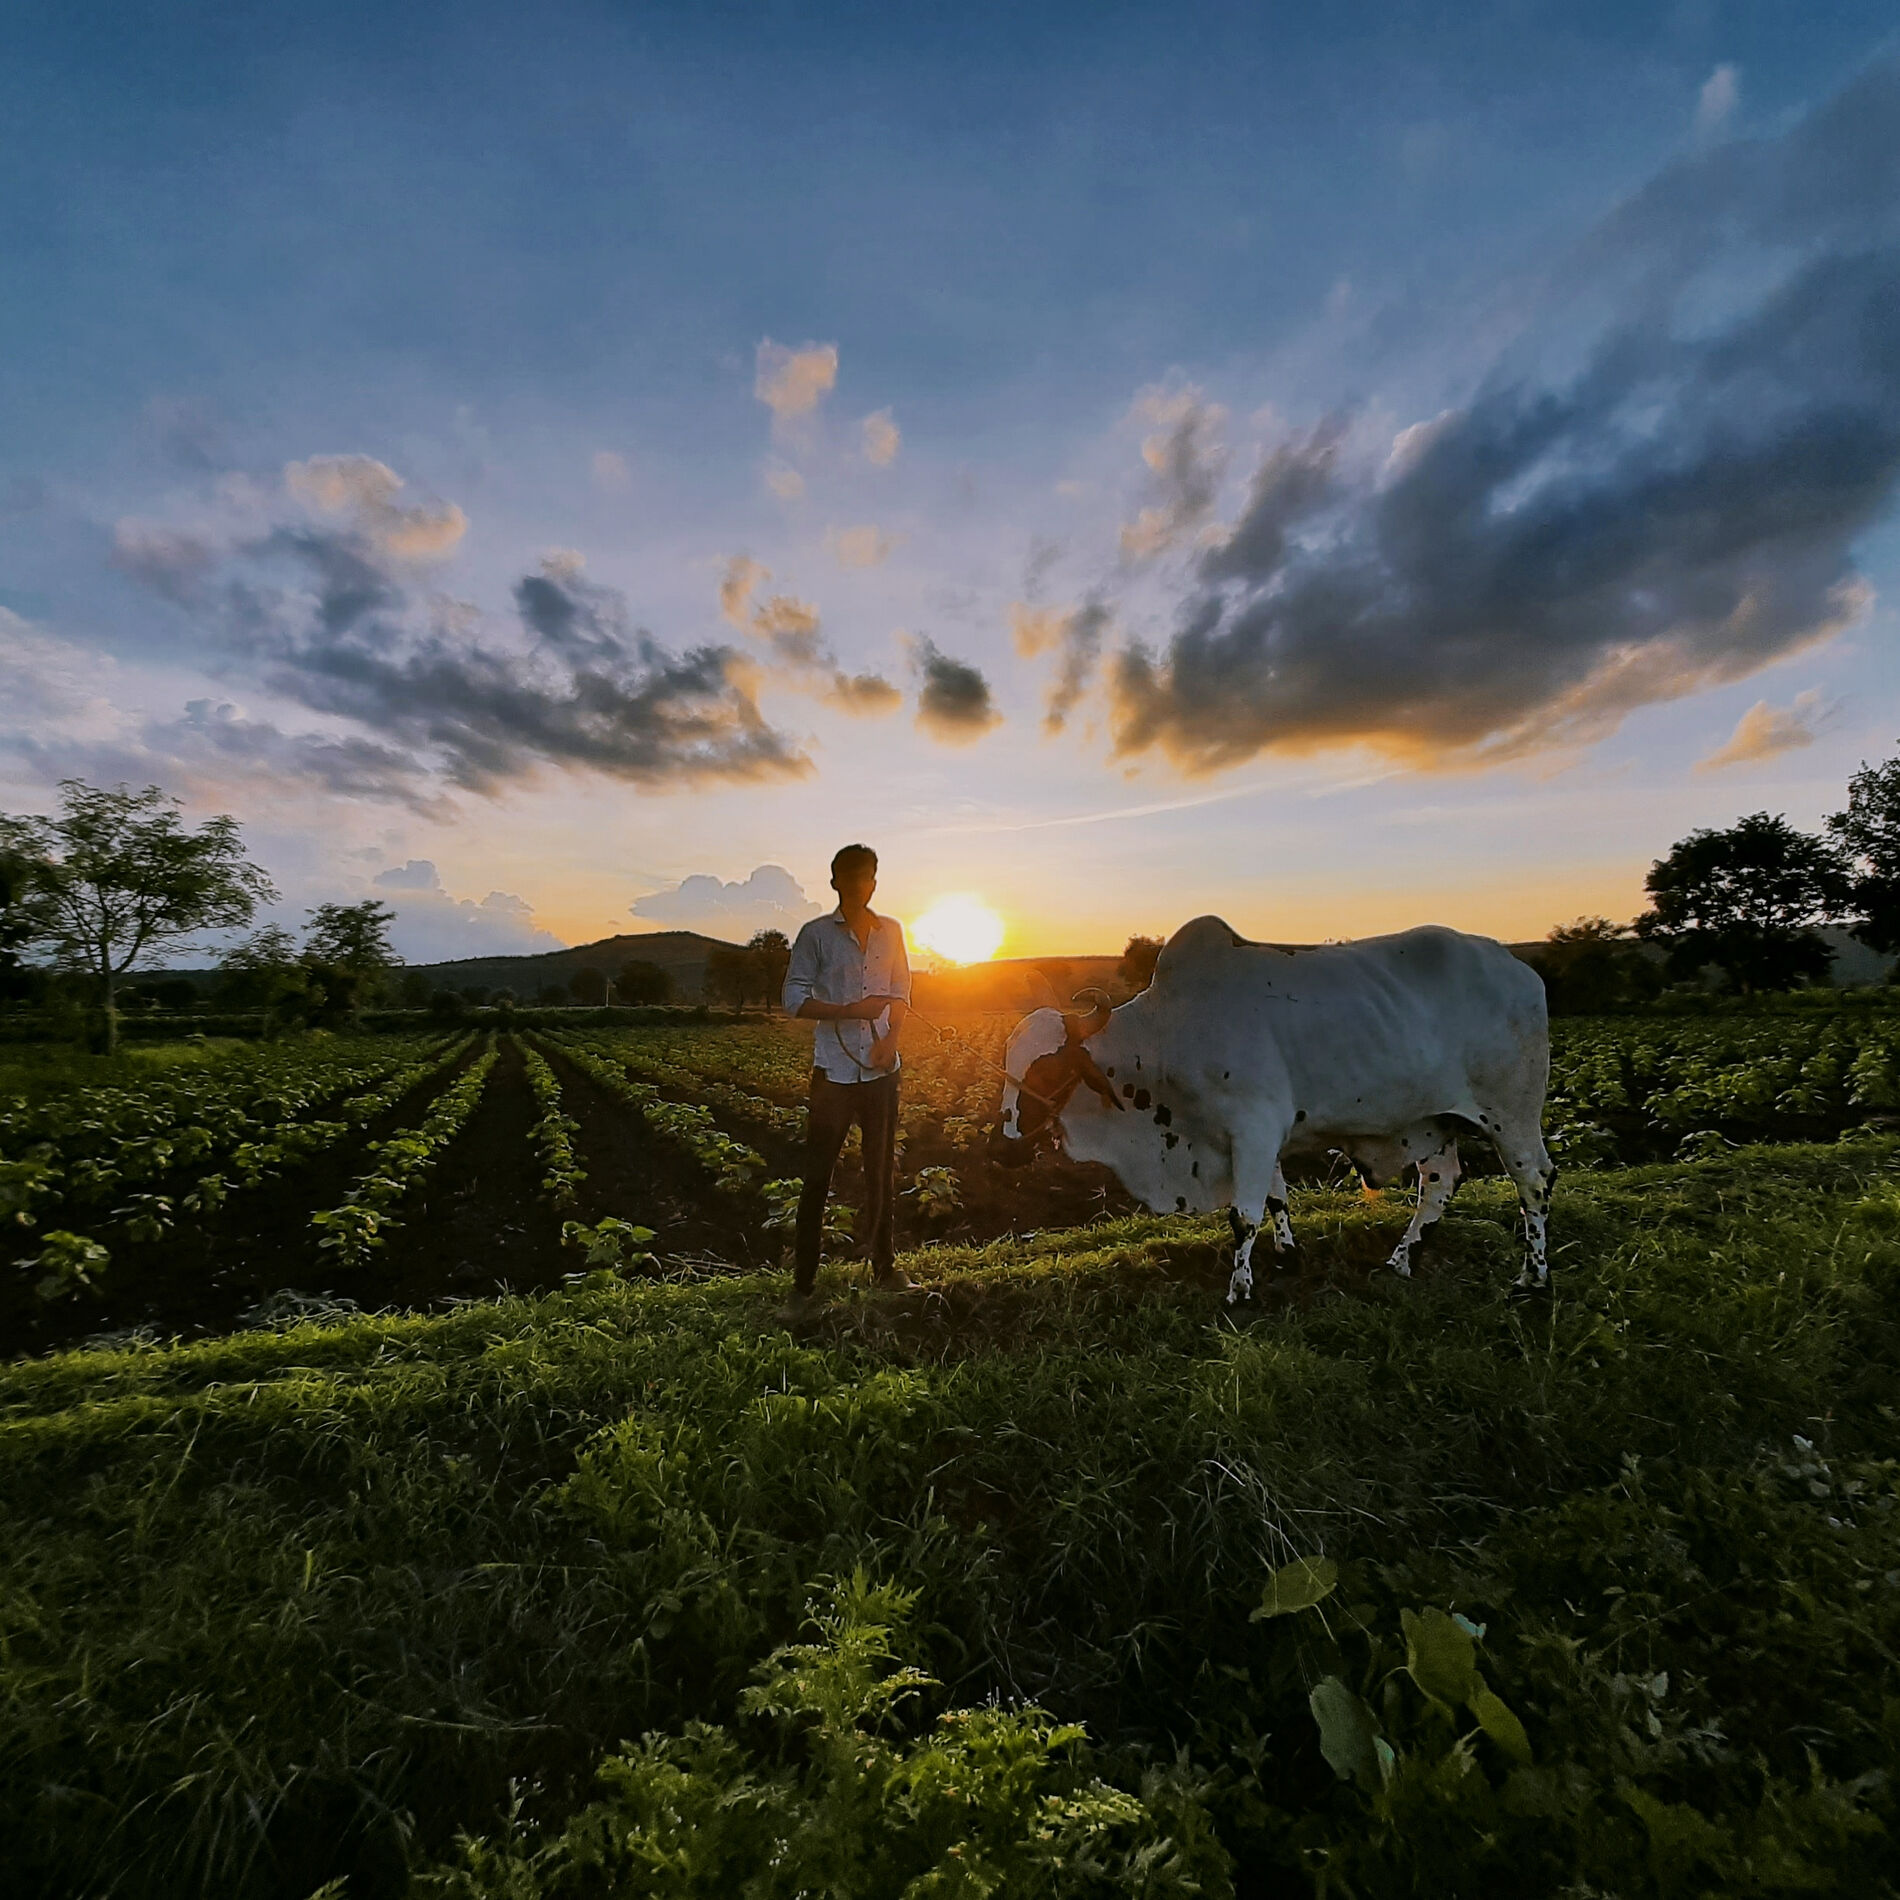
(834, 1107)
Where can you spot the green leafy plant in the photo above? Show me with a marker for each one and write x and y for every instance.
(67, 1263)
(938, 1192)
(612, 1243)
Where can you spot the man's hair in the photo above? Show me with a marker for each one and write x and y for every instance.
(851, 857)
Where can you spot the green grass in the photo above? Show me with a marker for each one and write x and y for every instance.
(304, 1604)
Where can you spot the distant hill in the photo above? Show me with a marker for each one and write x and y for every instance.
(680, 953)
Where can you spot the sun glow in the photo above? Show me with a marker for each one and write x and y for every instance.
(961, 929)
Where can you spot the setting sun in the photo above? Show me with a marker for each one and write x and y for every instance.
(963, 929)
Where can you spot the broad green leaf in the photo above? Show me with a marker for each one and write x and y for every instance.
(1348, 1737)
(1441, 1657)
(1497, 1721)
(1298, 1586)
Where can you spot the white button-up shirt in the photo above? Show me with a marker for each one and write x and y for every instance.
(828, 964)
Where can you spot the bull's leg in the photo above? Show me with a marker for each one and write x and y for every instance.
(1438, 1175)
(1258, 1185)
(1529, 1165)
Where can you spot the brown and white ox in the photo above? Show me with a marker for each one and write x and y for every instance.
(1239, 1055)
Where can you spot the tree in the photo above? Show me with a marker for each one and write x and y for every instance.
(1869, 832)
(1137, 967)
(20, 864)
(346, 950)
(642, 982)
(1591, 965)
(415, 989)
(116, 879)
(262, 973)
(588, 987)
(771, 954)
(1747, 900)
(730, 975)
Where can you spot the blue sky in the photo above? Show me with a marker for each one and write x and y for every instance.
(496, 440)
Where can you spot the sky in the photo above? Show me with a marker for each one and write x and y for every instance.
(566, 470)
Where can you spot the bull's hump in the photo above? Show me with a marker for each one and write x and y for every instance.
(1204, 937)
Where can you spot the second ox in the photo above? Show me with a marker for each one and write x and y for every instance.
(1238, 1056)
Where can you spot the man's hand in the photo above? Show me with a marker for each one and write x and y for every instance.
(883, 1051)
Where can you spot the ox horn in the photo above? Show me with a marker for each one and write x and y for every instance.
(1082, 1027)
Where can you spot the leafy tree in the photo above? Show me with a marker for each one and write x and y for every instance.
(588, 987)
(730, 976)
(1137, 967)
(1591, 965)
(20, 863)
(414, 989)
(348, 955)
(1869, 832)
(771, 954)
(117, 878)
(1747, 899)
(642, 982)
(263, 973)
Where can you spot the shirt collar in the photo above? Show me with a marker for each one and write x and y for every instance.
(837, 917)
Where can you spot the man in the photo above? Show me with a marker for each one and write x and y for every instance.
(850, 974)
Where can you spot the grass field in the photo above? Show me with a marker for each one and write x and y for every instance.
(956, 1592)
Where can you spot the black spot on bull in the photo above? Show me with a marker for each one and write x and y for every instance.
(1142, 1098)
(1164, 1116)
(1180, 1203)
(1170, 1139)
(1128, 1088)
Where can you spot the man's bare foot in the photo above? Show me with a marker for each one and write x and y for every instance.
(893, 1280)
(800, 1307)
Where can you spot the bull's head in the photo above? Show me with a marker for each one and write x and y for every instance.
(1046, 1061)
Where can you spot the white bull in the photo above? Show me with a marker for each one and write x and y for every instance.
(1239, 1055)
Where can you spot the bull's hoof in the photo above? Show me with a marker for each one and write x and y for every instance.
(1522, 1291)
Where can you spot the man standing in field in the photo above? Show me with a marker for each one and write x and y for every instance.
(850, 974)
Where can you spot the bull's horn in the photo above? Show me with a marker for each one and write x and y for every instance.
(1097, 1019)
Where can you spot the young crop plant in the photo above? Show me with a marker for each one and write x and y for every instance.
(856, 1792)
(612, 1243)
(553, 1134)
(938, 1191)
(354, 1230)
(67, 1264)
(734, 1167)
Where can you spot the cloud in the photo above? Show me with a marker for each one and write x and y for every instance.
(333, 627)
(1765, 732)
(792, 383)
(1075, 634)
(216, 733)
(431, 926)
(1715, 104)
(1550, 554)
(169, 561)
(881, 438)
(790, 628)
(863, 695)
(1185, 458)
(864, 546)
(770, 899)
(610, 471)
(365, 490)
(742, 578)
(786, 483)
(954, 703)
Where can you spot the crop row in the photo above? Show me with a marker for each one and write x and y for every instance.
(360, 1224)
(68, 1261)
(734, 1167)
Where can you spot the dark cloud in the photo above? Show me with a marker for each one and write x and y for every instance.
(1529, 567)
(167, 561)
(212, 733)
(336, 628)
(789, 628)
(954, 702)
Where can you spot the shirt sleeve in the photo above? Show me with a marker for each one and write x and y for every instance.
(900, 963)
(801, 974)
